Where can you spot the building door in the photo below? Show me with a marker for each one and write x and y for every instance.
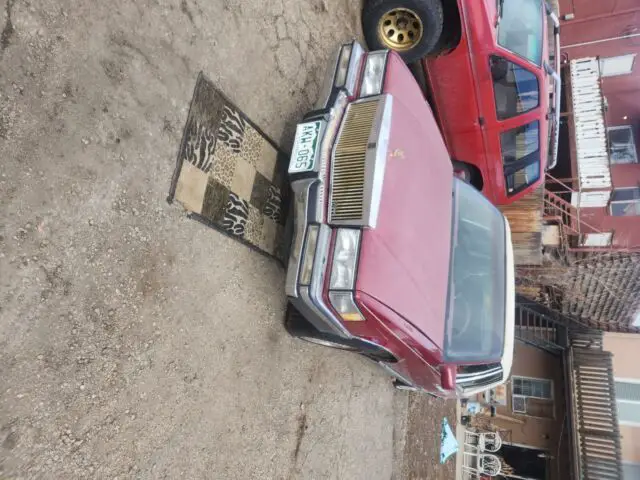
(527, 463)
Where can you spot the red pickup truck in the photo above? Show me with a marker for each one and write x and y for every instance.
(393, 256)
(490, 79)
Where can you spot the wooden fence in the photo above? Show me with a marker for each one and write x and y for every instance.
(525, 220)
(597, 434)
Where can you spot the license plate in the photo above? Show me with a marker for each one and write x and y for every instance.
(305, 147)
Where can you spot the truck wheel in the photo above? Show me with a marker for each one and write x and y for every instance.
(410, 27)
(468, 173)
(462, 171)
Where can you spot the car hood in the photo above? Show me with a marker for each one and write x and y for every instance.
(404, 261)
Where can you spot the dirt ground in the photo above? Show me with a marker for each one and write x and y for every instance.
(422, 442)
(135, 343)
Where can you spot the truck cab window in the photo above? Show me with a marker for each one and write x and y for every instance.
(515, 88)
(521, 156)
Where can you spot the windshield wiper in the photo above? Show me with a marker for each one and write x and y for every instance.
(500, 7)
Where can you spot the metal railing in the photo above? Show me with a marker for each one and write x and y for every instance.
(537, 329)
(590, 125)
(566, 214)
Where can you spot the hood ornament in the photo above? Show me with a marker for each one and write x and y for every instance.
(397, 153)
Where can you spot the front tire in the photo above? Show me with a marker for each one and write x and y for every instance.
(410, 27)
(299, 327)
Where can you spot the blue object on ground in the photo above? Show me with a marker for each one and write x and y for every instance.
(448, 442)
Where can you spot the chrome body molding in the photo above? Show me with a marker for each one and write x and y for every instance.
(379, 154)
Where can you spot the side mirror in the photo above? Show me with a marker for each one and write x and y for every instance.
(448, 376)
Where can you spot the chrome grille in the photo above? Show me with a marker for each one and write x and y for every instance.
(481, 378)
(348, 173)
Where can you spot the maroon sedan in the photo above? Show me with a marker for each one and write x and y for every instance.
(392, 256)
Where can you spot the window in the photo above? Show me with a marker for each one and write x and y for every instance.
(520, 28)
(622, 146)
(515, 88)
(532, 396)
(620, 65)
(625, 202)
(519, 143)
(533, 387)
(521, 156)
(520, 179)
(628, 400)
(602, 239)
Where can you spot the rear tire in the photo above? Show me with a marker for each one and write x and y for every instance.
(425, 19)
(462, 171)
(400, 385)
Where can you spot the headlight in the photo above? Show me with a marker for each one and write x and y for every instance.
(345, 257)
(309, 255)
(348, 67)
(345, 306)
(343, 66)
(373, 76)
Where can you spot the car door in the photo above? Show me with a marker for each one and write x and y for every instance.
(459, 81)
(514, 126)
(517, 127)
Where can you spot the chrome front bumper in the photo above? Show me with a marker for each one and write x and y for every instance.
(308, 299)
(309, 203)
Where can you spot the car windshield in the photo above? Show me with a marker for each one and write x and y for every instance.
(477, 281)
(520, 29)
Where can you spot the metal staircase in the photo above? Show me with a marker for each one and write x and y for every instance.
(566, 215)
(539, 330)
(559, 210)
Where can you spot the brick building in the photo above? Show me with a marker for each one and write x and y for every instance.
(592, 197)
(600, 47)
